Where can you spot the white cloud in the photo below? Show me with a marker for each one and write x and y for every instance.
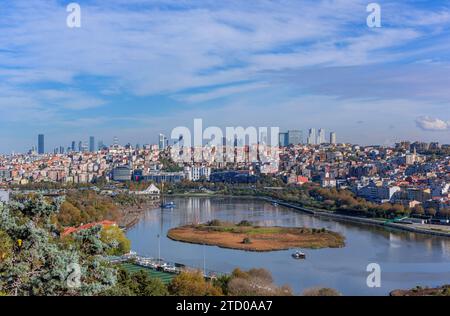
(155, 50)
(428, 123)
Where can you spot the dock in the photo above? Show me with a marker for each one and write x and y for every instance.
(158, 268)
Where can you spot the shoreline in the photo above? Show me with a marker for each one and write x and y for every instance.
(326, 214)
(361, 220)
(131, 214)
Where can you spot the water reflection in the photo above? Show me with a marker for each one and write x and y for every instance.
(406, 259)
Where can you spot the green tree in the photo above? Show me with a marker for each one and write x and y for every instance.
(137, 284)
(222, 282)
(6, 246)
(43, 264)
(115, 237)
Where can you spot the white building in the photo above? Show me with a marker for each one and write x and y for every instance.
(321, 137)
(383, 193)
(197, 173)
(4, 196)
(328, 181)
(151, 190)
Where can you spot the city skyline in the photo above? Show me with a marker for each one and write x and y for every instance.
(284, 139)
(301, 63)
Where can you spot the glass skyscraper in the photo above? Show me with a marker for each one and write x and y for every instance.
(92, 144)
(41, 145)
(295, 137)
(283, 139)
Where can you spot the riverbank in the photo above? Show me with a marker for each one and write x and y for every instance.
(255, 238)
(331, 215)
(131, 214)
(360, 220)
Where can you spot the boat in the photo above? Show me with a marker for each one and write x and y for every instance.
(168, 205)
(299, 255)
(170, 268)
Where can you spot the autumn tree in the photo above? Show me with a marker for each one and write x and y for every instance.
(419, 210)
(255, 282)
(192, 284)
(445, 212)
(431, 211)
(321, 292)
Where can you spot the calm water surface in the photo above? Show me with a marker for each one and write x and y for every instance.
(406, 259)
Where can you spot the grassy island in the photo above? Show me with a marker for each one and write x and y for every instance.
(246, 236)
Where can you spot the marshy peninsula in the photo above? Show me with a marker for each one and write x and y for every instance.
(248, 237)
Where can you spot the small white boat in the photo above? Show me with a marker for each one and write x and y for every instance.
(170, 269)
(299, 255)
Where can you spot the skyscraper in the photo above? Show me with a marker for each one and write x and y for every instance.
(321, 137)
(312, 136)
(295, 137)
(283, 139)
(333, 139)
(163, 142)
(73, 146)
(41, 145)
(92, 144)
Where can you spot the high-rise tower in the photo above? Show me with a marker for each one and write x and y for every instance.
(41, 144)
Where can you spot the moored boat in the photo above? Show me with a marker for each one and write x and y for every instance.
(299, 255)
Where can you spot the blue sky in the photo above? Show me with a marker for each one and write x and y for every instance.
(136, 68)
